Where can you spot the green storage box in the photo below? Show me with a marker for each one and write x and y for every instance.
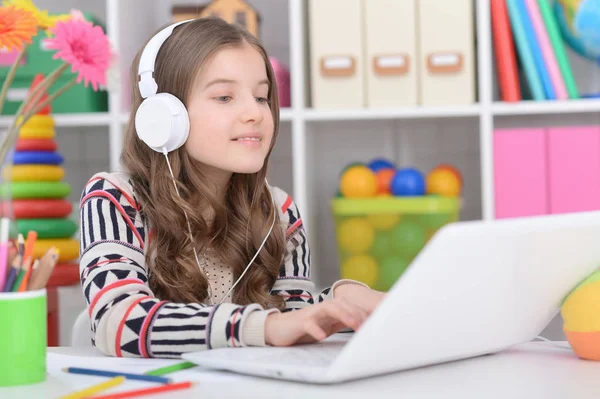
(39, 60)
(77, 99)
(377, 238)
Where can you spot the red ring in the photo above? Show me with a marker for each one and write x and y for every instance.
(41, 208)
(36, 145)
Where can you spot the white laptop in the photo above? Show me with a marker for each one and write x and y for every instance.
(476, 288)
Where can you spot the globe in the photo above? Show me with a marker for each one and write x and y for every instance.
(578, 21)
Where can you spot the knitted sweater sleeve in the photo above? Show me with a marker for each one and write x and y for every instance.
(127, 320)
(294, 282)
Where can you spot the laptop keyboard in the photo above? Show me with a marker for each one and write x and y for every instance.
(319, 355)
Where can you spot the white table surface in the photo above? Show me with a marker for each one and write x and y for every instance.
(532, 370)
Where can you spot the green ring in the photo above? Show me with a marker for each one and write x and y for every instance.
(35, 189)
(47, 228)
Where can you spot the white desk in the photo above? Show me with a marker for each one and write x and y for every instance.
(533, 370)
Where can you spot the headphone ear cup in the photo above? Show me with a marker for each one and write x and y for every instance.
(162, 121)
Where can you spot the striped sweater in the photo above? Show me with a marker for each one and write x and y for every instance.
(128, 320)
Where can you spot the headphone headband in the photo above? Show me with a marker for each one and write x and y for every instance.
(147, 84)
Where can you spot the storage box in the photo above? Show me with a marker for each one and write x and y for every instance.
(377, 238)
(520, 172)
(38, 59)
(546, 170)
(390, 53)
(336, 53)
(446, 59)
(77, 99)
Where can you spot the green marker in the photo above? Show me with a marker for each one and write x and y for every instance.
(171, 369)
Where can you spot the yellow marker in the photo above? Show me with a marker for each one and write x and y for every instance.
(84, 393)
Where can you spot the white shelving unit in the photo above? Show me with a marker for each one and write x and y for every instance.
(315, 144)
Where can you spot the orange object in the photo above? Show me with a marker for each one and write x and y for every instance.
(585, 344)
(146, 391)
(384, 178)
(36, 81)
(443, 182)
(452, 169)
(29, 244)
(358, 182)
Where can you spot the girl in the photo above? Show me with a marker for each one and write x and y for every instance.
(171, 254)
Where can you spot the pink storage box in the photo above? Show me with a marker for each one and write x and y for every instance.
(282, 76)
(7, 58)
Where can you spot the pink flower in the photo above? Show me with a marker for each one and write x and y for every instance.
(85, 47)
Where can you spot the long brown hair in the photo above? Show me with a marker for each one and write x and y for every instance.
(239, 224)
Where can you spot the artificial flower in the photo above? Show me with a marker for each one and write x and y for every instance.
(44, 21)
(85, 47)
(17, 27)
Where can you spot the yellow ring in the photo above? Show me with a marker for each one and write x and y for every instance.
(36, 133)
(34, 173)
(69, 248)
(39, 121)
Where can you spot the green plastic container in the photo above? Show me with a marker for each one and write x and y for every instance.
(377, 238)
(75, 100)
(23, 338)
(39, 60)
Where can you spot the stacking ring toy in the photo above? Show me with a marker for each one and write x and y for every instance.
(20, 173)
(37, 157)
(64, 274)
(47, 228)
(69, 248)
(36, 145)
(38, 189)
(41, 208)
(36, 133)
(41, 121)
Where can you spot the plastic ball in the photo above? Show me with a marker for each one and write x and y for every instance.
(384, 180)
(355, 235)
(408, 182)
(409, 239)
(350, 165)
(443, 182)
(380, 163)
(384, 221)
(382, 246)
(581, 315)
(450, 168)
(361, 268)
(433, 220)
(358, 182)
(390, 270)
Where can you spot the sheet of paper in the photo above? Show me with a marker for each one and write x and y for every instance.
(59, 358)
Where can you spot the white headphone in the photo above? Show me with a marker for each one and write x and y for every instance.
(162, 122)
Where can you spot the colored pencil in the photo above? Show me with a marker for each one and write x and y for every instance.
(171, 369)
(41, 274)
(87, 392)
(12, 276)
(21, 244)
(24, 266)
(29, 246)
(4, 226)
(146, 391)
(129, 376)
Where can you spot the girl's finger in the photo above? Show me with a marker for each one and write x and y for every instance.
(357, 311)
(339, 313)
(315, 331)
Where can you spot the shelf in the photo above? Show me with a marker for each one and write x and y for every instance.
(391, 113)
(546, 107)
(285, 114)
(65, 120)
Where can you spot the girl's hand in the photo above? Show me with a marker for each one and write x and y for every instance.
(313, 323)
(360, 296)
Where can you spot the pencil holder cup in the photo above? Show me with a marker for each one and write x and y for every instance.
(23, 325)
